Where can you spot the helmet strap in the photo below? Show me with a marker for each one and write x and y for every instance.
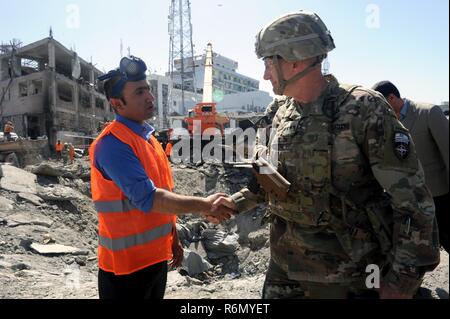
(282, 83)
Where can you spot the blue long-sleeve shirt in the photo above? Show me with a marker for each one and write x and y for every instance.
(404, 110)
(117, 162)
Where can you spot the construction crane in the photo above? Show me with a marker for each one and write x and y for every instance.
(205, 113)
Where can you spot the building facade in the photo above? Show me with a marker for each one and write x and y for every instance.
(226, 79)
(161, 86)
(245, 102)
(46, 89)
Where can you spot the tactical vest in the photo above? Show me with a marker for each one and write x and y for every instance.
(304, 146)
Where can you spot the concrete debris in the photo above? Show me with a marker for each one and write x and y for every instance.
(258, 239)
(33, 199)
(5, 204)
(175, 279)
(48, 169)
(78, 184)
(249, 222)
(190, 181)
(20, 266)
(193, 281)
(10, 158)
(80, 169)
(21, 219)
(56, 249)
(58, 193)
(194, 264)
(47, 239)
(17, 180)
(190, 232)
(81, 260)
(219, 244)
(4, 265)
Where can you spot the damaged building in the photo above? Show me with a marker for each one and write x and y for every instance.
(46, 89)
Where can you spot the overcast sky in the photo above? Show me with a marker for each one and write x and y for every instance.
(404, 41)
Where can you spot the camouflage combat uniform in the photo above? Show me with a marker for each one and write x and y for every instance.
(357, 198)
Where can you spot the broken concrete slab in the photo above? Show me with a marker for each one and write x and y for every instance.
(17, 180)
(81, 169)
(34, 199)
(190, 232)
(5, 204)
(219, 244)
(56, 249)
(194, 264)
(58, 193)
(249, 222)
(198, 248)
(20, 219)
(50, 169)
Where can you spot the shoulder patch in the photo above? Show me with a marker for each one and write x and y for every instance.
(342, 126)
(401, 145)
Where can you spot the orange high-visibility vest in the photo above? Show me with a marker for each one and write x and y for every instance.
(59, 147)
(130, 239)
(71, 151)
(168, 148)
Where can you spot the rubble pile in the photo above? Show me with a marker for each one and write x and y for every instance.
(228, 250)
(48, 232)
(48, 236)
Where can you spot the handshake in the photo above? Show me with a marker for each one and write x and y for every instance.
(220, 207)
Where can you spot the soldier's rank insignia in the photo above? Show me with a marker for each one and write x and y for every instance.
(401, 145)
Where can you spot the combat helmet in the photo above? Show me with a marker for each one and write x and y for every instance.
(295, 36)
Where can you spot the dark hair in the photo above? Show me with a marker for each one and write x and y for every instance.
(108, 86)
(386, 88)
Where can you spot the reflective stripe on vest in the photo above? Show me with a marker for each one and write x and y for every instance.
(114, 206)
(135, 240)
(130, 239)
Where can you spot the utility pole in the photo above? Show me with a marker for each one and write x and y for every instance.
(181, 53)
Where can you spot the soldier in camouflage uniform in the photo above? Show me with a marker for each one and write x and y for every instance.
(357, 194)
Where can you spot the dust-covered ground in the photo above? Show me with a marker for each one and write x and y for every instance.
(48, 238)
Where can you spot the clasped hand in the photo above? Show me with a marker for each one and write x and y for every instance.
(221, 207)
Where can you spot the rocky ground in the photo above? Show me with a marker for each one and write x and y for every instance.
(48, 237)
